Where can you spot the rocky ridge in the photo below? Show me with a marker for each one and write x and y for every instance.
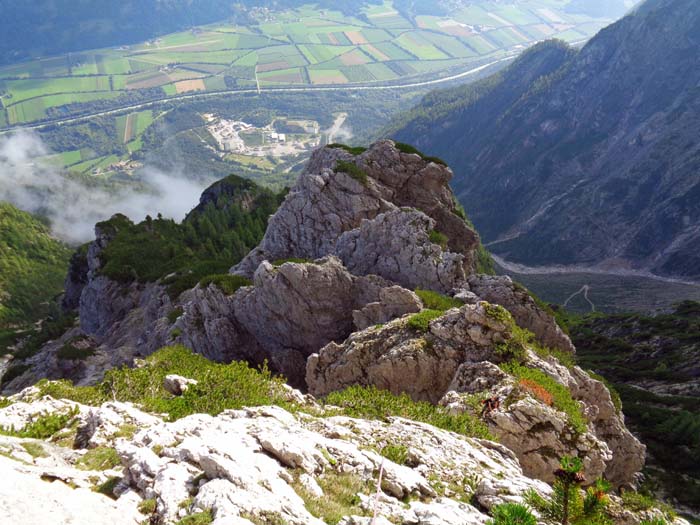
(252, 466)
(365, 276)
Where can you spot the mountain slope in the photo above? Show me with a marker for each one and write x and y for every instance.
(653, 362)
(593, 157)
(32, 267)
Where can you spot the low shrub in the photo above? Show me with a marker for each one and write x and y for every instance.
(407, 148)
(396, 453)
(220, 387)
(174, 314)
(355, 150)
(148, 506)
(100, 458)
(339, 497)
(436, 301)
(42, 427)
(297, 260)
(74, 350)
(199, 518)
(421, 320)
(536, 390)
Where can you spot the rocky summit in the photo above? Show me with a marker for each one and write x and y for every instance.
(422, 392)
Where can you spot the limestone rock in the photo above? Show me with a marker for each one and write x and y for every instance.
(177, 385)
(394, 302)
(502, 291)
(324, 204)
(396, 245)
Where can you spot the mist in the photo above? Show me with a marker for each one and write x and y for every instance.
(73, 207)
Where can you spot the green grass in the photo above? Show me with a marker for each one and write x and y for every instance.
(199, 518)
(42, 426)
(148, 506)
(421, 321)
(561, 396)
(34, 449)
(339, 497)
(221, 386)
(436, 301)
(352, 169)
(373, 403)
(356, 150)
(296, 260)
(396, 453)
(438, 238)
(100, 458)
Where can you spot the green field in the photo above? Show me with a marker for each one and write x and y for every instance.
(291, 47)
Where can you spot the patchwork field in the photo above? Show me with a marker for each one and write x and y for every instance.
(286, 48)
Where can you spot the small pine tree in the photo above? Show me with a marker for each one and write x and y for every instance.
(569, 504)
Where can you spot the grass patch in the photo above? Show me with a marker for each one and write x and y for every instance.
(100, 458)
(42, 427)
(227, 282)
(220, 387)
(296, 260)
(438, 238)
(396, 453)
(407, 148)
(340, 497)
(437, 301)
(560, 395)
(34, 449)
(199, 518)
(148, 506)
(421, 321)
(353, 170)
(107, 488)
(373, 403)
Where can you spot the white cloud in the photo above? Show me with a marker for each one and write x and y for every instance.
(74, 207)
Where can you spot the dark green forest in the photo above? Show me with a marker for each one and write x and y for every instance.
(229, 221)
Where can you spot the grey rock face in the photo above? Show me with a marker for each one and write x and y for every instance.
(398, 358)
(324, 204)
(502, 291)
(397, 246)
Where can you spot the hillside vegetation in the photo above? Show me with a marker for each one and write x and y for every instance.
(32, 267)
(654, 362)
(229, 221)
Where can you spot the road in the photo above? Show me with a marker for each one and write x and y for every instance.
(584, 290)
(307, 89)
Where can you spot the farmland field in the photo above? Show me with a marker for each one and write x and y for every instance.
(284, 48)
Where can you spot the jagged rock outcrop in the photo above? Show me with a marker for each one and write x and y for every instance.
(295, 309)
(453, 360)
(326, 202)
(397, 246)
(516, 299)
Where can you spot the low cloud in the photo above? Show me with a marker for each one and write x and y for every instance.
(73, 207)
